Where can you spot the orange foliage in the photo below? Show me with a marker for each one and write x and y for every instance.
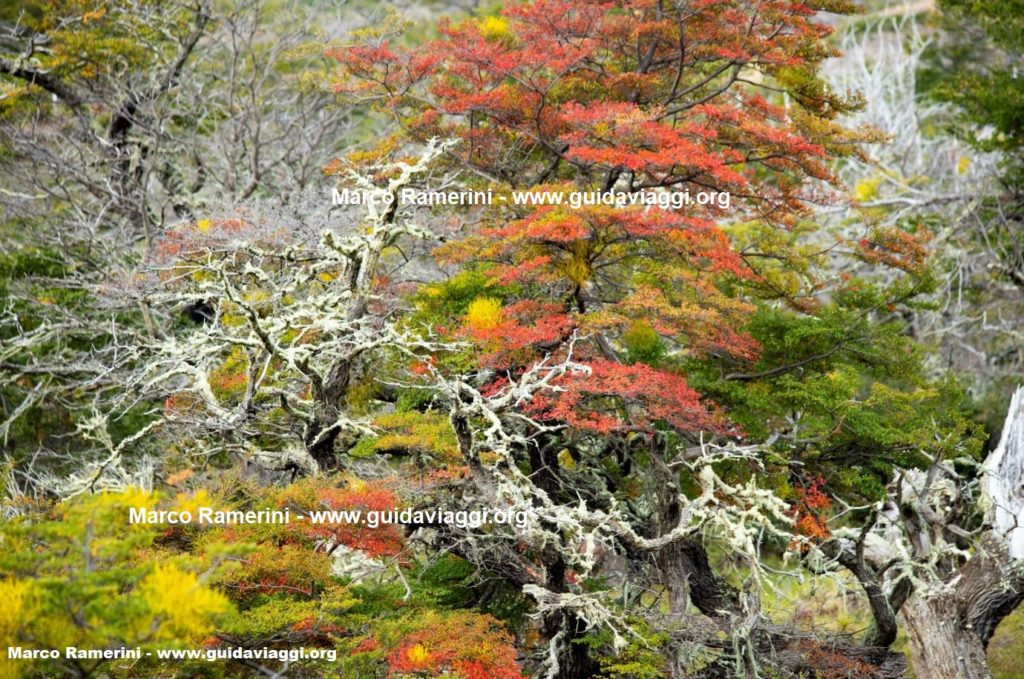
(896, 248)
(833, 665)
(810, 511)
(385, 540)
(465, 644)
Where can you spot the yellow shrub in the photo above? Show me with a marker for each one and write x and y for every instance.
(483, 313)
(184, 605)
(494, 28)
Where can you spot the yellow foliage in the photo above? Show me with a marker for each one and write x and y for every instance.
(13, 608)
(489, 458)
(179, 477)
(94, 15)
(961, 167)
(379, 153)
(867, 189)
(191, 502)
(418, 655)
(578, 268)
(15, 611)
(233, 320)
(483, 313)
(355, 484)
(110, 509)
(203, 225)
(132, 496)
(183, 605)
(494, 28)
(565, 459)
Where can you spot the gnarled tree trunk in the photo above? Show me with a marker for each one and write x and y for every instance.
(949, 631)
(940, 644)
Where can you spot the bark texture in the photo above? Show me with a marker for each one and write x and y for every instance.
(949, 631)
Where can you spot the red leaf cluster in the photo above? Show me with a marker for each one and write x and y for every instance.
(810, 510)
(466, 645)
(385, 540)
(613, 396)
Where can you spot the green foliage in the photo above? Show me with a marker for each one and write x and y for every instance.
(82, 576)
(37, 288)
(451, 298)
(453, 583)
(89, 44)
(1005, 659)
(428, 436)
(977, 69)
(643, 344)
(844, 393)
(641, 657)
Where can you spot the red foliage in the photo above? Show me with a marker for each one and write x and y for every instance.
(312, 625)
(465, 644)
(385, 540)
(810, 510)
(525, 326)
(630, 96)
(367, 645)
(597, 400)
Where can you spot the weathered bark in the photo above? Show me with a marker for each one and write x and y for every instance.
(940, 645)
(684, 569)
(709, 593)
(949, 632)
(328, 397)
(672, 562)
(574, 661)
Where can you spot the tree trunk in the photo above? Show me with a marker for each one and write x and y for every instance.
(574, 661)
(712, 595)
(949, 632)
(941, 647)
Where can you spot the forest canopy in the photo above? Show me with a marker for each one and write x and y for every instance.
(706, 365)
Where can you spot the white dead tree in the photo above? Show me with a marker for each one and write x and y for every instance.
(924, 176)
(917, 167)
(293, 315)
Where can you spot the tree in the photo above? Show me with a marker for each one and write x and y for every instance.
(955, 542)
(688, 404)
(118, 121)
(300, 317)
(593, 325)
